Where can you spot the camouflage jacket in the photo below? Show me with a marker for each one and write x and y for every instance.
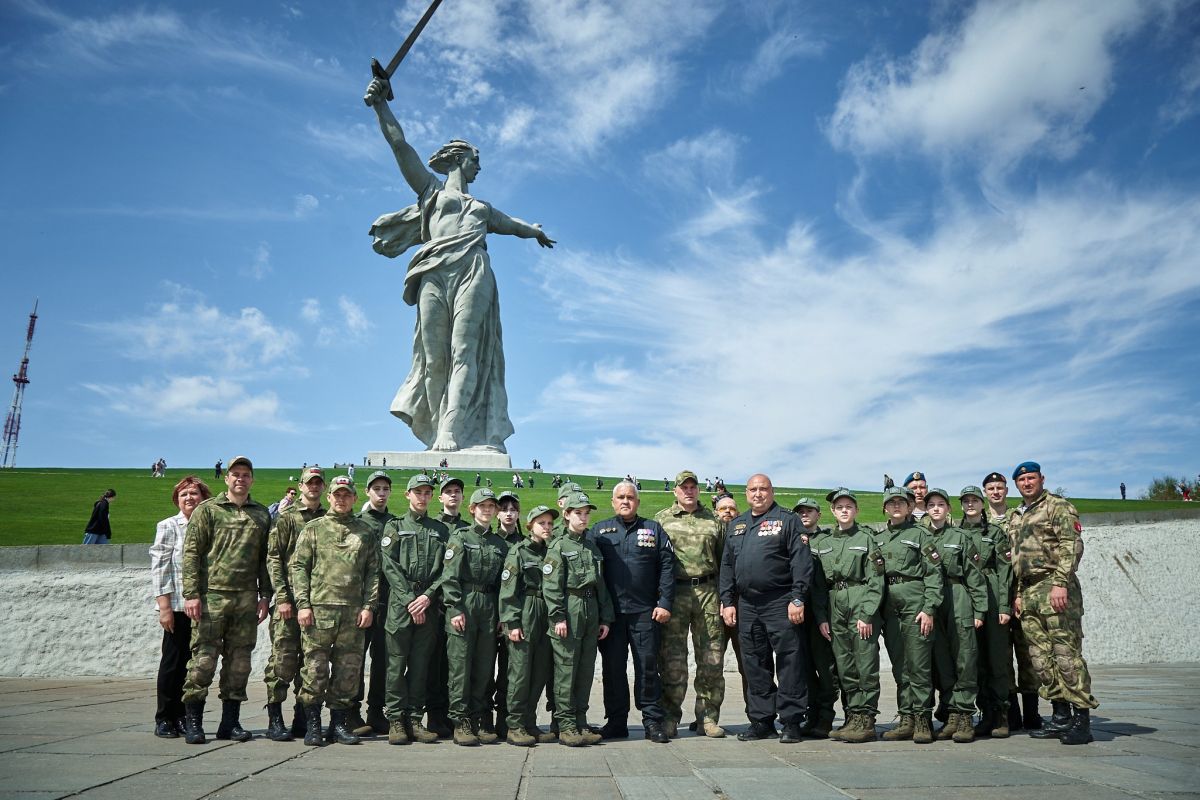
(411, 553)
(282, 544)
(336, 563)
(1047, 540)
(908, 552)
(996, 563)
(698, 538)
(225, 548)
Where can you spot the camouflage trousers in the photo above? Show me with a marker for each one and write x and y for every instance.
(283, 667)
(696, 609)
(1056, 644)
(1026, 678)
(333, 657)
(227, 628)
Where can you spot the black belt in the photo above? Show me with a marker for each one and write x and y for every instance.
(901, 579)
(700, 581)
(588, 592)
(847, 584)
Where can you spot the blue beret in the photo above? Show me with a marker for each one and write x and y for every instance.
(1026, 466)
(913, 476)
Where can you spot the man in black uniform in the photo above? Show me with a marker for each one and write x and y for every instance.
(639, 569)
(768, 567)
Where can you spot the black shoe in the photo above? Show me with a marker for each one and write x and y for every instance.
(166, 730)
(231, 728)
(791, 733)
(1032, 719)
(312, 723)
(942, 714)
(1080, 731)
(339, 727)
(588, 729)
(758, 730)
(615, 729)
(276, 730)
(299, 726)
(193, 721)
(180, 728)
(655, 733)
(378, 722)
(1014, 713)
(1058, 724)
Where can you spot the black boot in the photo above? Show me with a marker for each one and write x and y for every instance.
(231, 727)
(1080, 731)
(276, 730)
(193, 723)
(339, 728)
(312, 721)
(1059, 723)
(1014, 712)
(299, 726)
(1033, 718)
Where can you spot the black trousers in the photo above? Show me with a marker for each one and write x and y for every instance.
(374, 643)
(640, 635)
(773, 647)
(172, 669)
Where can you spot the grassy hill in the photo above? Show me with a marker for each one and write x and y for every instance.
(51, 506)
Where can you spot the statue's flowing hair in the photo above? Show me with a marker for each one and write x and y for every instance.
(450, 154)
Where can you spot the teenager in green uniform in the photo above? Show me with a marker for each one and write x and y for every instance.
(411, 557)
(471, 586)
(964, 605)
(375, 513)
(822, 670)
(851, 579)
(579, 611)
(995, 645)
(914, 592)
(508, 528)
(523, 618)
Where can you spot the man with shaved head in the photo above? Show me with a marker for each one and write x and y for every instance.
(767, 567)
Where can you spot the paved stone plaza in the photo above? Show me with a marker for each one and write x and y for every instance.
(92, 739)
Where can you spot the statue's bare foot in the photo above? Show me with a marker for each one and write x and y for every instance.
(444, 441)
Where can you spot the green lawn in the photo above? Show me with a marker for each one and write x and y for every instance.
(51, 506)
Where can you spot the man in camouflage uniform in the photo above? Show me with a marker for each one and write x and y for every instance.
(225, 593)
(375, 513)
(822, 669)
(1048, 546)
(697, 536)
(283, 668)
(335, 580)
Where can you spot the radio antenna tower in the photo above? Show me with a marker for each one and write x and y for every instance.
(12, 424)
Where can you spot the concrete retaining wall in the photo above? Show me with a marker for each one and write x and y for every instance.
(79, 610)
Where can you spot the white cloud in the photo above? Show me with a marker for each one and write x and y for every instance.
(194, 400)
(353, 317)
(785, 43)
(1012, 77)
(351, 326)
(1185, 103)
(304, 205)
(260, 266)
(310, 310)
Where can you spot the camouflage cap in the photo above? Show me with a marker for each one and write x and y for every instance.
(508, 495)
(685, 476)
(897, 491)
(578, 500)
(808, 502)
(481, 494)
(233, 462)
(914, 476)
(973, 491)
(995, 477)
(421, 479)
(942, 493)
(1022, 468)
(840, 492)
(376, 475)
(310, 473)
(450, 481)
(568, 488)
(538, 511)
(343, 482)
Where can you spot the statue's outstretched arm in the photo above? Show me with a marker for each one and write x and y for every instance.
(411, 166)
(499, 222)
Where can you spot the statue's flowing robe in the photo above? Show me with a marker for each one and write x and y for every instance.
(456, 383)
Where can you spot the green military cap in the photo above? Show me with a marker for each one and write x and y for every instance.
(568, 488)
(537, 512)
(685, 476)
(343, 482)
(974, 491)
(578, 500)
(233, 462)
(376, 475)
(940, 493)
(841, 491)
(420, 479)
(309, 474)
(808, 502)
(481, 494)
(897, 491)
(508, 495)
(450, 481)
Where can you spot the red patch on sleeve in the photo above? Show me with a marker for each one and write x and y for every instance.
(1078, 527)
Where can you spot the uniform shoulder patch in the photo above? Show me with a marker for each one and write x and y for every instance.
(1078, 527)
(385, 541)
(547, 568)
(449, 553)
(505, 575)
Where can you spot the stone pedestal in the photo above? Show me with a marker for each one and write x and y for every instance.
(459, 460)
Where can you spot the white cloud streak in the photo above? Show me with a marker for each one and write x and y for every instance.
(195, 400)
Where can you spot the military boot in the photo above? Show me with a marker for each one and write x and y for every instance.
(231, 728)
(902, 731)
(590, 736)
(1080, 731)
(1014, 712)
(987, 720)
(485, 730)
(1032, 719)
(570, 737)
(276, 730)
(312, 724)
(712, 730)
(837, 734)
(378, 721)
(948, 730)
(339, 725)
(922, 729)
(520, 737)
(999, 724)
(464, 734)
(193, 723)
(419, 733)
(671, 728)
(357, 725)
(965, 733)
(1059, 722)
(543, 737)
(863, 731)
(398, 732)
(299, 726)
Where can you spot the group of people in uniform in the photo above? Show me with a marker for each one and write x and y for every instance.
(470, 620)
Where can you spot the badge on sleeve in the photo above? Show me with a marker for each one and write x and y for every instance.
(505, 575)
(547, 568)
(385, 541)
(449, 553)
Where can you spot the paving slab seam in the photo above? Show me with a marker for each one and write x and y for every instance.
(249, 775)
(816, 778)
(526, 775)
(1072, 778)
(44, 707)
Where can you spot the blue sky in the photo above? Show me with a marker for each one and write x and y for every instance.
(824, 242)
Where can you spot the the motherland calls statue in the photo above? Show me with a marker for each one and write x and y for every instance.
(453, 398)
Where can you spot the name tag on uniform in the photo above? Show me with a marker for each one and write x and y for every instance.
(770, 527)
(855, 547)
(646, 538)
(827, 550)
(911, 544)
(952, 546)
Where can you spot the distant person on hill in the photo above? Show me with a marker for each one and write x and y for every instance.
(888, 483)
(98, 530)
(166, 574)
(217, 471)
(1122, 490)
